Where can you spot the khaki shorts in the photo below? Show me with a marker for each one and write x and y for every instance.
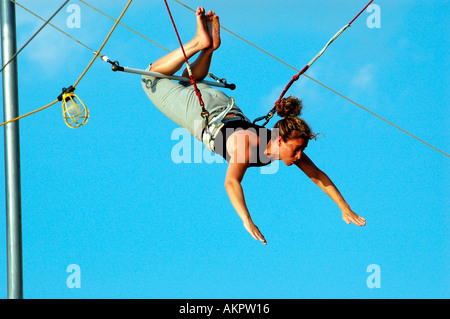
(179, 102)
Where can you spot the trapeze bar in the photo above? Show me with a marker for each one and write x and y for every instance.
(172, 77)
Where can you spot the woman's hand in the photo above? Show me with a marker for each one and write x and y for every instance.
(254, 231)
(350, 216)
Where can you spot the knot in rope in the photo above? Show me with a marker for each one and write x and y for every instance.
(197, 91)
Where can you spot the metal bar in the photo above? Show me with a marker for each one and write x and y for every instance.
(12, 152)
(175, 77)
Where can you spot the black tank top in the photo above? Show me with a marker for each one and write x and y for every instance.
(220, 143)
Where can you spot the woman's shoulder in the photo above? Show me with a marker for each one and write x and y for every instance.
(242, 140)
(244, 128)
(245, 139)
(248, 146)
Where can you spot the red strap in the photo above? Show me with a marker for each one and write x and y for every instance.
(192, 78)
(360, 12)
(296, 77)
(197, 91)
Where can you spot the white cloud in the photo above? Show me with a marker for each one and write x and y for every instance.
(364, 78)
(49, 52)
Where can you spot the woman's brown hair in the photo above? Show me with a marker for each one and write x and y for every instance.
(292, 126)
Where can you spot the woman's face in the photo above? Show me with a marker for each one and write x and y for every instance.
(291, 150)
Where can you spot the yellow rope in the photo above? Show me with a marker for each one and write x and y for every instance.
(103, 44)
(32, 112)
(84, 72)
(265, 52)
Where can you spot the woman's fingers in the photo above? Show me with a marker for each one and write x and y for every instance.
(259, 236)
(352, 217)
(254, 231)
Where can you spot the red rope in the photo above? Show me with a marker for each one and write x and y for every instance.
(297, 76)
(361, 12)
(192, 78)
(294, 78)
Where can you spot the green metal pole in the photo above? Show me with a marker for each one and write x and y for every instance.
(12, 152)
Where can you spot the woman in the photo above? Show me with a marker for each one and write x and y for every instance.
(240, 142)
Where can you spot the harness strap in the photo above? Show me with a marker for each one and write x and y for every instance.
(213, 128)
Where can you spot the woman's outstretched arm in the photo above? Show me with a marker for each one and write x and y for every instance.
(235, 173)
(235, 192)
(324, 182)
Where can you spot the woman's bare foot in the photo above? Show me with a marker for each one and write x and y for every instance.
(213, 27)
(202, 41)
(202, 35)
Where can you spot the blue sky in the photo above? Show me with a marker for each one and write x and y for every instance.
(109, 198)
